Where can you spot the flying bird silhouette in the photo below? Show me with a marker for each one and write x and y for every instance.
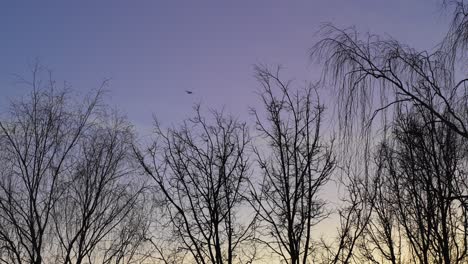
(188, 92)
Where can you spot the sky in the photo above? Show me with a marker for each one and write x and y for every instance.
(152, 51)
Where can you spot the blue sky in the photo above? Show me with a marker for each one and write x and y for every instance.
(155, 50)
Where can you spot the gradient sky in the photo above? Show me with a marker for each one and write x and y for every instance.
(155, 50)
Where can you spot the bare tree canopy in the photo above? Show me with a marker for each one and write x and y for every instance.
(405, 199)
(297, 166)
(374, 74)
(424, 172)
(202, 170)
(63, 185)
(97, 195)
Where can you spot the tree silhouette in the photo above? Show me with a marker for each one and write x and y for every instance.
(297, 166)
(64, 185)
(412, 192)
(202, 171)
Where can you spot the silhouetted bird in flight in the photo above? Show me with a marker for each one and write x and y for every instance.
(188, 92)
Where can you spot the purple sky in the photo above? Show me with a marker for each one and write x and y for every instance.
(155, 50)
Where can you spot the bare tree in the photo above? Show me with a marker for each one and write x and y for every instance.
(411, 195)
(127, 242)
(67, 194)
(354, 214)
(297, 166)
(424, 168)
(202, 170)
(98, 196)
(386, 70)
(36, 140)
(377, 78)
(380, 240)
